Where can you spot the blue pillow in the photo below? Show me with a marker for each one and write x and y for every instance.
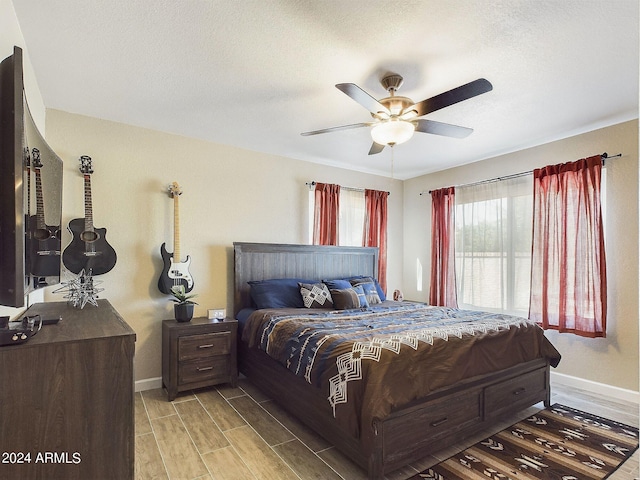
(362, 297)
(369, 288)
(339, 284)
(277, 293)
(381, 294)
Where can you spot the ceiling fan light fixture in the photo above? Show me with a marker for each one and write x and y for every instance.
(392, 132)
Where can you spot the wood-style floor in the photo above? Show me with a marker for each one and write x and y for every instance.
(237, 433)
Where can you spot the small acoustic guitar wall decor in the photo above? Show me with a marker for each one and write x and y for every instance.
(174, 271)
(45, 239)
(88, 250)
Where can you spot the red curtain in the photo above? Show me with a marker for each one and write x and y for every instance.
(375, 230)
(326, 214)
(443, 272)
(568, 268)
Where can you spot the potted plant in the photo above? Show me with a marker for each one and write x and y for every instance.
(183, 308)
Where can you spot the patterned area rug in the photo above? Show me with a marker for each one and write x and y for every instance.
(558, 443)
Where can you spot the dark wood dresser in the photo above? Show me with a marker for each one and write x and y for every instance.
(199, 353)
(66, 397)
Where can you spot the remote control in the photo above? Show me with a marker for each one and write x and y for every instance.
(51, 321)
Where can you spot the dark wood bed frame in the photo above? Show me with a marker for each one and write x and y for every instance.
(443, 418)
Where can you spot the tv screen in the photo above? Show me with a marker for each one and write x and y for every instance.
(30, 195)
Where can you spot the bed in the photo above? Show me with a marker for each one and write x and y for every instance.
(341, 373)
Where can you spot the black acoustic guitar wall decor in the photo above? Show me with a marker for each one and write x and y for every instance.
(89, 249)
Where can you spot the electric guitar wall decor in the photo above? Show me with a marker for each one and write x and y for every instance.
(88, 249)
(174, 271)
(45, 239)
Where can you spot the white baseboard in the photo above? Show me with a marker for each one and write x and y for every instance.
(148, 384)
(595, 387)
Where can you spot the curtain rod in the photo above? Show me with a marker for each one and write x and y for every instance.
(352, 189)
(604, 156)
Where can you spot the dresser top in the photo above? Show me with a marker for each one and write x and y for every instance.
(76, 324)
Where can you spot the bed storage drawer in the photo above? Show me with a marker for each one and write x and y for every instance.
(205, 345)
(515, 394)
(444, 418)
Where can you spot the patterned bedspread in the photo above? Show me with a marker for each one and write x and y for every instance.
(369, 362)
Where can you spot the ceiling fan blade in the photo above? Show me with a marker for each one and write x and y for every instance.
(363, 98)
(375, 148)
(458, 94)
(444, 129)
(336, 129)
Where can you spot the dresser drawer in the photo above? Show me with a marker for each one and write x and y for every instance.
(201, 370)
(516, 393)
(204, 345)
(443, 418)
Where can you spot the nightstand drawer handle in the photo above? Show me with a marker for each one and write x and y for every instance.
(204, 369)
(519, 391)
(208, 345)
(437, 423)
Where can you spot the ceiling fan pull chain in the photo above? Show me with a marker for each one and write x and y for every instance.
(392, 158)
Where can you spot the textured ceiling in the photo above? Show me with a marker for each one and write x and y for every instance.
(257, 73)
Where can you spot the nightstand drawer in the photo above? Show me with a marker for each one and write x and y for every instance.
(211, 368)
(204, 345)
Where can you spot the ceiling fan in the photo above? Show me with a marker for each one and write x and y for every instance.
(396, 118)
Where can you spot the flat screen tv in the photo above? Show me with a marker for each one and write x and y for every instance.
(30, 195)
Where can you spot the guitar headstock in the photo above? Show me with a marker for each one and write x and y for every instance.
(174, 190)
(85, 165)
(37, 163)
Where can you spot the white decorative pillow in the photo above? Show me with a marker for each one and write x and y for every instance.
(315, 295)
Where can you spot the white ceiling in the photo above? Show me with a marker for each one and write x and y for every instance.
(257, 73)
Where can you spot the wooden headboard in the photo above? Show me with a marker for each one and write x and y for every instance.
(262, 261)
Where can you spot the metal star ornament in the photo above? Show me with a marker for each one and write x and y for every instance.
(80, 289)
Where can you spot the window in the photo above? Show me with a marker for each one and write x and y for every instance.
(351, 216)
(493, 245)
(352, 207)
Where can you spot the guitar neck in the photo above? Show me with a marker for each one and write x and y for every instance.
(39, 201)
(28, 191)
(88, 208)
(176, 229)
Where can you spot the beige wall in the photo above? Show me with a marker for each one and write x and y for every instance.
(229, 195)
(611, 361)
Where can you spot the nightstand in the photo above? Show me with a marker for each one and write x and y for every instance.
(199, 353)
